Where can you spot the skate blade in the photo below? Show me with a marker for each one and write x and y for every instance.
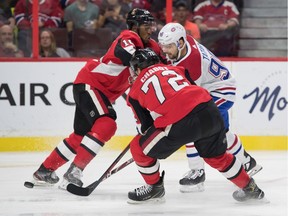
(150, 201)
(192, 188)
(37, 183)
(63, 185)
(255, 170)
(262, 201)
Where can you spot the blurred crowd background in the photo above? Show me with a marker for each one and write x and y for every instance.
(86, 28)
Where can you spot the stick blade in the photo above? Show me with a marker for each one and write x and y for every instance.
(80, 191)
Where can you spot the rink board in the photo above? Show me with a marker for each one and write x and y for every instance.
(120, 142)
(37, 105)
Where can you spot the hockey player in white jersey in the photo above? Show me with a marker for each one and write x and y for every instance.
(206, 70)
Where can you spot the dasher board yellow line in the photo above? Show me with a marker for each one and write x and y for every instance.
(119, 142)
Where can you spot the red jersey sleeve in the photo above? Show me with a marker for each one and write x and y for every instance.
(123, 47)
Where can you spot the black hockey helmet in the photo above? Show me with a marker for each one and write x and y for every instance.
(143, 58)
(138, 17)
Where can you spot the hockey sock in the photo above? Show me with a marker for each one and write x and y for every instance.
(231, 168)
(102, 131)
(89, 148)
(147, 166)
(234, 146)
(65, 150)
(194, 160)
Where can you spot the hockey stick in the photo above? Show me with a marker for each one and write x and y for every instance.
(86, 191)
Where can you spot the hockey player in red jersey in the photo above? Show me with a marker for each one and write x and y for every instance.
(99, 83)
(171, 112)
(210, 73)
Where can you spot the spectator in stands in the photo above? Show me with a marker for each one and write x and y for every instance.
(7, 45)
(48, 47)
(113, 16)
(143, 4)
(182, 16)
(50, 15)
(66, 3)
(81, 14)
(6, 16)
(219, 26)
(158, 10)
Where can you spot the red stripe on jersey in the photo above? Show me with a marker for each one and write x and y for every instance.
(190, 146)
(100, 100)
(227, 88)
(219, 102)
(150, 139)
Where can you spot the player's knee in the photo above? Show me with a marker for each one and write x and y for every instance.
(105, 128)
(135, 145)
(136, 149)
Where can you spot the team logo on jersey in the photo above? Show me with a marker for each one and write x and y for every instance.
(92, 113)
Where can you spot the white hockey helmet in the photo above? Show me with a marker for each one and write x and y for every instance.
(172, 33)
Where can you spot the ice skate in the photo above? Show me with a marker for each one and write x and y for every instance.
(73, 176)
(148, 193)
(44, 177)
(193, 181)
(251, 167)
(250, 192)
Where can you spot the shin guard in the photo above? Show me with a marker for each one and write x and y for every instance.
(147, 166)
(231, 168)
(102, 131)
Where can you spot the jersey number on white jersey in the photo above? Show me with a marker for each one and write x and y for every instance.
(218, 70)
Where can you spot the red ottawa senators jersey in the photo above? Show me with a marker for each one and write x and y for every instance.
(166, 93)
(110, 73)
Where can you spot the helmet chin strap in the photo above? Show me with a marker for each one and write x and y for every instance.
(180, 49)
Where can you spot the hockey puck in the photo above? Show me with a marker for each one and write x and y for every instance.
(28, 184)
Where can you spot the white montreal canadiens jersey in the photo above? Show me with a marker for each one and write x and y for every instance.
(208, 71)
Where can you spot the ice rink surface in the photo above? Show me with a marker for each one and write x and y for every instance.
(110, 197)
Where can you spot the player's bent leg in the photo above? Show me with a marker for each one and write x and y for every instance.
(102, 131)
(193, 180)
(233, 170)
(235, 147)
(148, 167)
